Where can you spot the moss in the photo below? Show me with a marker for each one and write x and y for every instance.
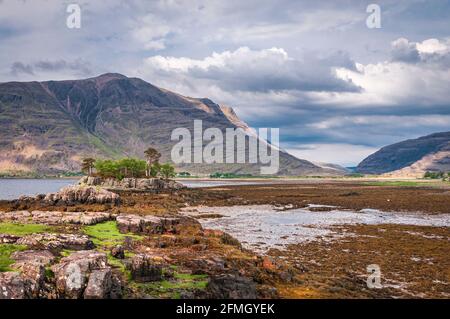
(119, 264)
(5, 255)
(49, 274)
(173, 288)
(66, 252)
(22, 229)
(107, 234)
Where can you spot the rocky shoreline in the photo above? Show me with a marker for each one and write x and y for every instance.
(65, 253)
(90, 242)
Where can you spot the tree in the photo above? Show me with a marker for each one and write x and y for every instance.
(108, 169)
(87, 165)
(127, 167)
(132, 167)
(152, 156)
(167, 171)
(155, 169)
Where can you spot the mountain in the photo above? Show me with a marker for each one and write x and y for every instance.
(48, 127)
(410, 158)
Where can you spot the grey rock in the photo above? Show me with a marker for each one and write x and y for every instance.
(50, 241)
(13, 286)
(118, 252)
(56, 217)
(146, 224)
(72, 272)
(99, 284)
(83, 194)
(144, 269)
(230, 286)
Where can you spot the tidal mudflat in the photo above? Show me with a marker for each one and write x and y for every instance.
(262, 227)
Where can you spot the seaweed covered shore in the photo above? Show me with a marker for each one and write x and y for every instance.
(140, 244)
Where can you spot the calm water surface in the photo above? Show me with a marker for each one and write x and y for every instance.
(14, 188)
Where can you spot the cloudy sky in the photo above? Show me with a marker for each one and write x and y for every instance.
(337, 89)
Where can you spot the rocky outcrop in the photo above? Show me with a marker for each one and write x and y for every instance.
(146, 224)
(28, 279)
(83, 195)
(86, 274)
(8, 239)
(83, 274)
(101, 285)
(31, 265)
(231, 286)
(56, 242)
(144, 268)
(55, 217)
(13, 286)
(131, 183)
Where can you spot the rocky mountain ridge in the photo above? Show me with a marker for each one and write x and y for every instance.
(48, 127)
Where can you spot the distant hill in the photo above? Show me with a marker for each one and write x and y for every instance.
(48, 127)
(410, 158)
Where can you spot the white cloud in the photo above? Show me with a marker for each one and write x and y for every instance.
(396, 83)
(150, 31)
(250, 70)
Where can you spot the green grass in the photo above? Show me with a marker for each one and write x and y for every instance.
(173, 288)
(22, 229)
(107, 234)
(5, 255)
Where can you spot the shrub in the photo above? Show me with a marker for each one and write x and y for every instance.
(167, 171)
(127, 167)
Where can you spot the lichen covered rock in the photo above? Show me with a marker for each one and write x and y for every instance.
(85, 274)
(83, 194)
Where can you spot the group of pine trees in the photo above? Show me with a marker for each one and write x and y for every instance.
(129, 167)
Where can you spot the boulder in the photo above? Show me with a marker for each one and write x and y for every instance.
(13, 286)
(50, 241)
(43, 257)
(30, 280)
(144, 268)
(150, 224)
(82, 194)
(118, 252)
(102, 285)
(72, 273)
(8, 239)
(230, 286)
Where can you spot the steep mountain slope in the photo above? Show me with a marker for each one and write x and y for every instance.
(410, 158)
(49, 126)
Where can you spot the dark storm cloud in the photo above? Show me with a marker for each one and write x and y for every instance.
(18, 67)
(83, 68)
(78, 66)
